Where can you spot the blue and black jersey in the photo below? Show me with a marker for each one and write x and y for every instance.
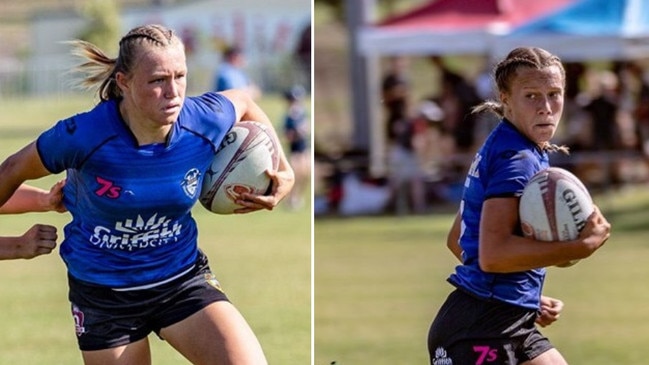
(131, 205)
(501, 168)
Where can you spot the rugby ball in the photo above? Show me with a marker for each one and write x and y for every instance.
(554, 206)
(239, 166)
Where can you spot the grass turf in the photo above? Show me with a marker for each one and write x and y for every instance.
(380, 280)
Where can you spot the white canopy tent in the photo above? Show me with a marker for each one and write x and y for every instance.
(440, 27)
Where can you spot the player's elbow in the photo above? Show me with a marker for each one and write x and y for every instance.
(452, 245)
(490, 264)
(10, 170)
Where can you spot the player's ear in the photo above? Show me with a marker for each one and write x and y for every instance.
(122, 81)
(504, 98)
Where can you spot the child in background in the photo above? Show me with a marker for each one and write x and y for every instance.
(296, 131)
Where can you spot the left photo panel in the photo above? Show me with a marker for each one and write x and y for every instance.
(155, 182)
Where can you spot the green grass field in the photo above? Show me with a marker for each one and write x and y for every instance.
(263, 261)
(380, 280)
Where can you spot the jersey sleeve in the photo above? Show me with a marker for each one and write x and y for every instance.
(58, 146)
(210, 115)
(70, 141)
(510, 171)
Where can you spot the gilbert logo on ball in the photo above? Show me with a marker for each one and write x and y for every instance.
(554, 206)
(240, 166)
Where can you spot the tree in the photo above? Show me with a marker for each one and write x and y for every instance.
(102, 24)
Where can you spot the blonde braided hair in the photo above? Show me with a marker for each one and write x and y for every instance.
(504, 74)
(100, 70)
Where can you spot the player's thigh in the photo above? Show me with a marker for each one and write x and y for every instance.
(550, 357)
(216, 335)
(136, 353)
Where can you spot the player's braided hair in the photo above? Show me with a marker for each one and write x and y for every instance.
(99, 69)
(504, 74)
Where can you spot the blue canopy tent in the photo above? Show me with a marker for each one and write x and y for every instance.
(587, 30)
(445, 27)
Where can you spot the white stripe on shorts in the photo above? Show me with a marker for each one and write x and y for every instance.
(153, 285)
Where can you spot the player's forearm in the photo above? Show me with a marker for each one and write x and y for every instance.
(7, 189)
(9, 248)
(26, 199)
(453, 238)
(16, 169)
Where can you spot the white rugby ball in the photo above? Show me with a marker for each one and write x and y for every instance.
(554, 206)
(239, 166)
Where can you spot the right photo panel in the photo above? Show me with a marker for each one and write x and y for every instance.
(479, 182)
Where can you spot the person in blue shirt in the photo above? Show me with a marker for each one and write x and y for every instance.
(40, 239)
(134, 166)
(231, 73)
(491, 316)
(296, 132)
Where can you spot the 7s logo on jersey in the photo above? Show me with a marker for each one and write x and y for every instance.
(107, 188)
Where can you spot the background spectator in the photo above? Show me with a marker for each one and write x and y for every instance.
(231, 73)
(296, 132)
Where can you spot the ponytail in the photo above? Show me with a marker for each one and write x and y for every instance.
(100, 70)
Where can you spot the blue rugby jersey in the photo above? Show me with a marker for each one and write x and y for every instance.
(501, 168)
(131, 205)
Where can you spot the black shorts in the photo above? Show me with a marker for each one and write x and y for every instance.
(473, 331)
(106, 318)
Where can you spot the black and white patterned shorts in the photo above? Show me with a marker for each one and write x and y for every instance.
(106, 318)
(470, 330)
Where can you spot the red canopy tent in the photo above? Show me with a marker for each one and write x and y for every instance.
(451, 26)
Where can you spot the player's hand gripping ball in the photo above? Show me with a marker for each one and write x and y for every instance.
(555, 206)
(240, 166)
